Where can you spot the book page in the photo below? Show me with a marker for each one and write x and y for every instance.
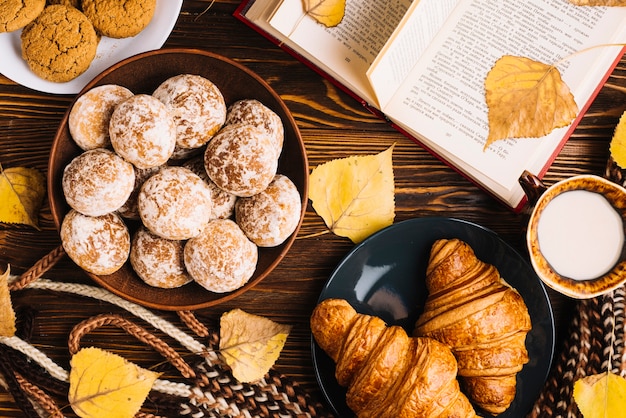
(442, 99)
(347, 50)
(417, 29)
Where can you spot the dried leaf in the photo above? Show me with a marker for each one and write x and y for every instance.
(21, 192)
(609, 3)
(250, 344)
(526, 99)
(327, 12)
(618, 143)
(103, 385)
(7, 315)
(601, 395)
(355, 195)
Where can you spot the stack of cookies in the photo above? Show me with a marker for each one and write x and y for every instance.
(60, 37)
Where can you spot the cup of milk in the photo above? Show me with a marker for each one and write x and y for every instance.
(576, 236)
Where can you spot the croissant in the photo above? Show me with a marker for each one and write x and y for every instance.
(471, 309)
(386, 372)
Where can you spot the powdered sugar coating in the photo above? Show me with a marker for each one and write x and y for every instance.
(89, 117)
(253, 112)
(158, 261)
(98, 244)
(221, 259)
(270, 217)
(175, 203)
(223, 202)
(143, 131)
(241, 159)
(97, 182)
(197, 105)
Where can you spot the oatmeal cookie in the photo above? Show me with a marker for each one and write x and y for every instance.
(119, 18)
(73, 3)
(60, 44)
(15, 14)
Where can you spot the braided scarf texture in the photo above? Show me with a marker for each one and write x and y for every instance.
(594, 344)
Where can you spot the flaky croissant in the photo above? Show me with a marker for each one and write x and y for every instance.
(471, 309)
(387, 373)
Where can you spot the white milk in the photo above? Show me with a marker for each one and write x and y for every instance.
(580, 234)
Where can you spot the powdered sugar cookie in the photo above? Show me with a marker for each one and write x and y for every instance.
(129, 209)
(90, 115)
(98, 244)
(253, 112)
(158, 261)
(97, 182)
(221, 259)
(142, 131)
(197, 105)
(175, 203)
(241, 159)
(270, 217)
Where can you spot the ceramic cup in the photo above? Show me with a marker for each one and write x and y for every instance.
(576, 233)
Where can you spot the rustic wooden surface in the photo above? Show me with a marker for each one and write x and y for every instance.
(333, 125)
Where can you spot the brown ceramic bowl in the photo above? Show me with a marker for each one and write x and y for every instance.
(562, 277)
(142, 74)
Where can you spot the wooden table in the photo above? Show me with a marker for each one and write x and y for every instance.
(333, 125)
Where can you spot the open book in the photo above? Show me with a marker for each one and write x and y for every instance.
(422, 65)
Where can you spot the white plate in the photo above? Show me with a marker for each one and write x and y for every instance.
(110, 51)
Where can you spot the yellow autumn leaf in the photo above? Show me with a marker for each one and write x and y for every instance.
(250, 344)
(21, 192)
(7, 315)
(327, 12)
(618, 143)
(105, 385)
(601, 396)
(355, 195)
(526, 99)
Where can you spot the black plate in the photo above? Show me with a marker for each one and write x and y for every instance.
(384, 276)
